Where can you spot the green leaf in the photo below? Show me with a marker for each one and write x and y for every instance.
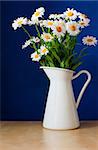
(76, 65)
(67, 62)
(82, 51)
(55, 45)
(49, 30)
(62, 64)
(67, 37)
(49, 59)
(55, 55)
(42, 63)
(51, 64)
(69, 45)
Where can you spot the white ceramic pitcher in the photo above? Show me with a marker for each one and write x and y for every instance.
(61, 108)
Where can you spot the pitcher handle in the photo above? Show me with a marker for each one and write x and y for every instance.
(85, 85)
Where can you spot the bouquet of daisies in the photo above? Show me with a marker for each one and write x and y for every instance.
(56, 39)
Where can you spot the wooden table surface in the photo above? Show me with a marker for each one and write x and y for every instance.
(32, 136)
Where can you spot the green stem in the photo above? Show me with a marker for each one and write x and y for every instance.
(82, 50)
(48, 30)
(31, 46)
(34, 46)
(37, 30)
(55, 46)
(55, 55)
(26, 32)
(43, 29)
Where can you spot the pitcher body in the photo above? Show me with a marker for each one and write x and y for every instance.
(61, 110)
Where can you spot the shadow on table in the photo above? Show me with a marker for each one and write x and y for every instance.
(88, 124)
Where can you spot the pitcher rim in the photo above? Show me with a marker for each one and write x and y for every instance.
(57, 68)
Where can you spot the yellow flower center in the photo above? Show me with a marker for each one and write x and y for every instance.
(59, 28)
(50, 23)
(44, 50)
(36, 56)
(89, 40)
(70, 13)
(72, 27)
(37, 13)
(47, 37)
(20, 22)
(82, 23)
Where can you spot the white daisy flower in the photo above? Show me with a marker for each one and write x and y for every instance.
(84, 23)
(33, 21)
(89, 40)
(62, 16)
(19, 22)
(30, 22)
(35, 56)
(56, 16)
(43, 50)
(38, 13)
(70, 14)
(53, 16)
(72, 28)
(59, 28)
(41, 23)
(27, 43)
(82, 16)
(36, 39)
(48, 23)
(62, 22)
(47, 37)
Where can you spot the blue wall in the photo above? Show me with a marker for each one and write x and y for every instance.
(24, 85)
